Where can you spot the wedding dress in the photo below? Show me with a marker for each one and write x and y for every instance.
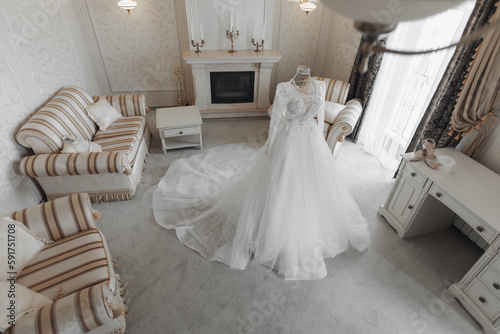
(284, 204)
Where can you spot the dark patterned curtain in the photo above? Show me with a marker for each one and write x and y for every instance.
(435, 123)
(362, 84)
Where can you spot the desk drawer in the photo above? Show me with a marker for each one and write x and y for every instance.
(416, 176)
(495, 263)
(180, 132)
(483, 298)
(486, 233)
(491, 279)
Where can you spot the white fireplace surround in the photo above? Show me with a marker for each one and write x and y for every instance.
(221, 61)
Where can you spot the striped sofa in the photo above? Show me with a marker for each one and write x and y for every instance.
(75, 270)
(339, 125)
(110, 175)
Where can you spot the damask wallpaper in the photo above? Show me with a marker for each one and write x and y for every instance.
(298, 38)
(13, 111)
(41, 56)
(140, 50)
(346, 47)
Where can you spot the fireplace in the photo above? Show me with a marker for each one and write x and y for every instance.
(232, 87)
(249, 92)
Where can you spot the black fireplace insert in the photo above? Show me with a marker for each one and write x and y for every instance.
(232, 87)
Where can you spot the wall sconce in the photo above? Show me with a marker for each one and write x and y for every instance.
(307, 6)
(128, 5)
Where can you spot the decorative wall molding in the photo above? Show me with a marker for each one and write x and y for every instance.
(140, 50)
(26, 194)
(184, 44)
(80, 27)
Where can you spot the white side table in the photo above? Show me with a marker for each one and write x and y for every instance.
(179, 127)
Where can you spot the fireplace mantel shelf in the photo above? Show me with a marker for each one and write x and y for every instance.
(220, 60)
(222, 56)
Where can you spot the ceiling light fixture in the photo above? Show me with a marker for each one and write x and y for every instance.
(307, 6)
(375, 17)
(128, 5)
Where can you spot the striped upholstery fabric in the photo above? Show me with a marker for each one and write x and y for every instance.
(65, 114)
(336, 90)
(124, 135)
(69, 265)
(128, 105)
(81, 312)
(74, 164)
(59, 218)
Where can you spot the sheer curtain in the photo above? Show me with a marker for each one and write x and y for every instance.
(405, 84)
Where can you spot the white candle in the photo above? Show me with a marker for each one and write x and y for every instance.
(201, 32)
(231, 25)
(264, 31)
(192, 32)
(237, 22)
(254, 27)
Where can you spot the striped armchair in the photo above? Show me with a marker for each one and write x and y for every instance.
(75, 271)
(339, 122)
(110, 175)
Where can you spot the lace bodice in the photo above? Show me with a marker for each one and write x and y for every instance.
(297, 106)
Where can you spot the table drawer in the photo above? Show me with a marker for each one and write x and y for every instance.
(486, 233)
(491, 279)
(180, 131)
(483, 298)
(414, 174)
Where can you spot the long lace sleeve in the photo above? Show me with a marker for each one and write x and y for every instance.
(279, 108)
(320, 97)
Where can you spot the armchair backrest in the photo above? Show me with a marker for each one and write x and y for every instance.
(336, 90)
(65, 114)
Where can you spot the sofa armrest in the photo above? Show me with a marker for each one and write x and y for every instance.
(60, 164)
(344, 123)
(80, 312)
(59, 218)
(127, 105)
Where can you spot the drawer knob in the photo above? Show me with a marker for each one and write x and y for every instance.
(482, 299)
(180, 132)
(479, 229)
(413, 174)
(496, 286)
(410, 207)
(439, 194)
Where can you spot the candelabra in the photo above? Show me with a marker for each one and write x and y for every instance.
(257, 45)
(230, 35)
(197, 45)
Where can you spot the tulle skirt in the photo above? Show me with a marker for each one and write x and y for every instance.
(286, 206)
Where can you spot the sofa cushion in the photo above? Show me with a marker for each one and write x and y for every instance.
(70, 265)
(103, 114)
(332, 110)
(64, 115)
(124, 135)
(25, 245)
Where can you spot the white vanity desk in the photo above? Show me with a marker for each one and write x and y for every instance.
(424, 200)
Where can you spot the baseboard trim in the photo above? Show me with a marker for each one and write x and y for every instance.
(25, 195)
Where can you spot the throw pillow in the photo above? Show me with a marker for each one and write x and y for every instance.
(18, 245)
(332, 110)
(74, 145)
(103, 114)
(17, 300)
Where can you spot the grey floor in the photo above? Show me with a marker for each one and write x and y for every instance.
(396, 286)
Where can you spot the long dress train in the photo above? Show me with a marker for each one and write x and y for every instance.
(284, 203)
